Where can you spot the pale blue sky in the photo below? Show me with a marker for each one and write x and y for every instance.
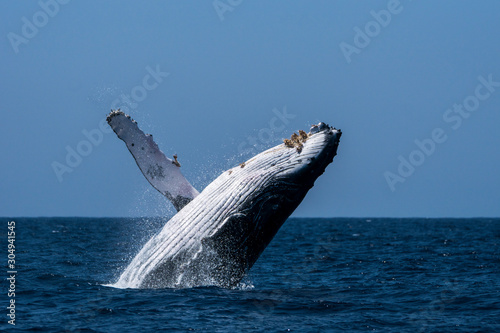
(230, 65)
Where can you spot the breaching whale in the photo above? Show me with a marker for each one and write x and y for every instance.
(218, 234)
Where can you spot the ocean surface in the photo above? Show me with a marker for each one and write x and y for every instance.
(317, 275)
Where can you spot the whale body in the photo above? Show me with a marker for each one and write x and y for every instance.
(218, 234)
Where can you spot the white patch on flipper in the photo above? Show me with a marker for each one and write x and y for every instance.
(159, 170)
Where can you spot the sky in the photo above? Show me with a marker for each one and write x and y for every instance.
(414, 86)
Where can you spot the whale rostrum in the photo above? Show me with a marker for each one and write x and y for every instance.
(218, 234)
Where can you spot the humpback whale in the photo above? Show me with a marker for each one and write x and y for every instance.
(218, 234)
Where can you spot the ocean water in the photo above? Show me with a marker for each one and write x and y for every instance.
(317, 275)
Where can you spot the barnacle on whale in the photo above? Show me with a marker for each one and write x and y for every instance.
(288, 143)
(296, 140)
(303, 136)
(175, 162)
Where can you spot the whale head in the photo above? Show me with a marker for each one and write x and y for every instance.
(296, 163)
(305, 155)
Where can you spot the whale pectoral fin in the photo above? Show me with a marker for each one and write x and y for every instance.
(160, 171)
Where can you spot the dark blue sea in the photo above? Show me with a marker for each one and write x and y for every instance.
(317, 275)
